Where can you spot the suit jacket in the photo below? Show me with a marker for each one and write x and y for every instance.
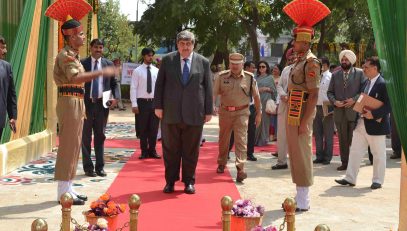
(190, 103)
(7, 94)
(336, 91)
(108, 83)
(373, 127)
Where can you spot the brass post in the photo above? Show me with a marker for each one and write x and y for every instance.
(227, 205)
(39, 225)
(289, 207)
(134, 205)
(66, 202)
(322, 227)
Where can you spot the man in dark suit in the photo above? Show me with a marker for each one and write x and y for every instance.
(8, 101)
(183, 100)
(344, 89)
(96, 112)
(371, 130)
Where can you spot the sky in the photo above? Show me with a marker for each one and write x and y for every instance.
(129, 7)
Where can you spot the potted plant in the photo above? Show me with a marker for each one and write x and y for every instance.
(246, 215)
(104, 207)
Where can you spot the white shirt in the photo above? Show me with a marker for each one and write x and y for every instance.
(323, 87)
(372, 82)
(282, 86)
(138, 85)
(100, 78)
(189, 62)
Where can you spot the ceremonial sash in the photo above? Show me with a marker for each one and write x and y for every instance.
(295, 101)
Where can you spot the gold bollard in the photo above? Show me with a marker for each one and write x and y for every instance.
(322, 227)
(227, 205)
(39, 225)
(289, 207)
(66, 202)
(134, 205)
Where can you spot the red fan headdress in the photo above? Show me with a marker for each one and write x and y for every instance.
(70, 12)
(306, 13)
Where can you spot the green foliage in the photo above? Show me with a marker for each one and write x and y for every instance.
(115, 30)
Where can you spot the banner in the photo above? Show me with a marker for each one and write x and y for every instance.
(127, 71)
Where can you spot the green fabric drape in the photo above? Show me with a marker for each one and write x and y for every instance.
(19, 52)
(38, 116)
(10, 17)
(389, 19)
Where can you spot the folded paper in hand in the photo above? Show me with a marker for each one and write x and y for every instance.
(366, 102)
(107, 96)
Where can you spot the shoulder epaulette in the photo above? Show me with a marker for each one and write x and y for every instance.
(224, 72)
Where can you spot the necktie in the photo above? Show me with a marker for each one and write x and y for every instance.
(148, 80)
(95, 83)
(345, 79)
(185, 72)
(366, 90)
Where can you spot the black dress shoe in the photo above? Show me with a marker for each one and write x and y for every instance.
(169, 188)
(220, 169)
(342, 167)
(90, 173)
(326, 162)
(375, 186)
(296, 209)
(317, 161)
(189, 189)
(275, 154)
(101, 173)
(76, 201)
(144, 155)
(279, 166)
(155, 155)
(395, 156)
(344, 182)
(251, 157)
(82, 197)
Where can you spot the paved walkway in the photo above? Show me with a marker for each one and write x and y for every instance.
(29, 192)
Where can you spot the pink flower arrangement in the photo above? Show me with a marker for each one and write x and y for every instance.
(245, 208)
(269, 228)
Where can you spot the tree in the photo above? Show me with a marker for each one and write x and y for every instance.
(115, 30)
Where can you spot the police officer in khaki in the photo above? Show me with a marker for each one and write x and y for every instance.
(303, 86)
(69, 76)
(236, 87)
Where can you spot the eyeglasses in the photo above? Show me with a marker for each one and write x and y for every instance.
(262, 66)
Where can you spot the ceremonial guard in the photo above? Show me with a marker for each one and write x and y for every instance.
(303, 84)
(236, 88)
(69, 76)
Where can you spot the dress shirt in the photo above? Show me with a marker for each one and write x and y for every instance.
(100, 78)
(138, 85)
(372, 82)
(189, 62)
(323, 87)
(282, 86)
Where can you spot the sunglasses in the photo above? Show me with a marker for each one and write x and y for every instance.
(262, 66)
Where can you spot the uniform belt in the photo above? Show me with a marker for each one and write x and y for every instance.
(145, 99)
(304, 98)
(233, 108)
(71, 90)
(96, 100)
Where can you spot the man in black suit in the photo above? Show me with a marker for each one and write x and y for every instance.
(8, 101)
(96, 112)
(371, 130)
(183, 100)
(344, 89)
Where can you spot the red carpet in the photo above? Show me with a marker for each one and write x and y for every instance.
(109, 143)
(176, 211)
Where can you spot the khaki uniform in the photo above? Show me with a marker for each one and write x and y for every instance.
(234, 91)
(70, 113)
(300, 146)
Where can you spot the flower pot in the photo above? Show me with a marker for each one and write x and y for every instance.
(111, 220)
(245, 223)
